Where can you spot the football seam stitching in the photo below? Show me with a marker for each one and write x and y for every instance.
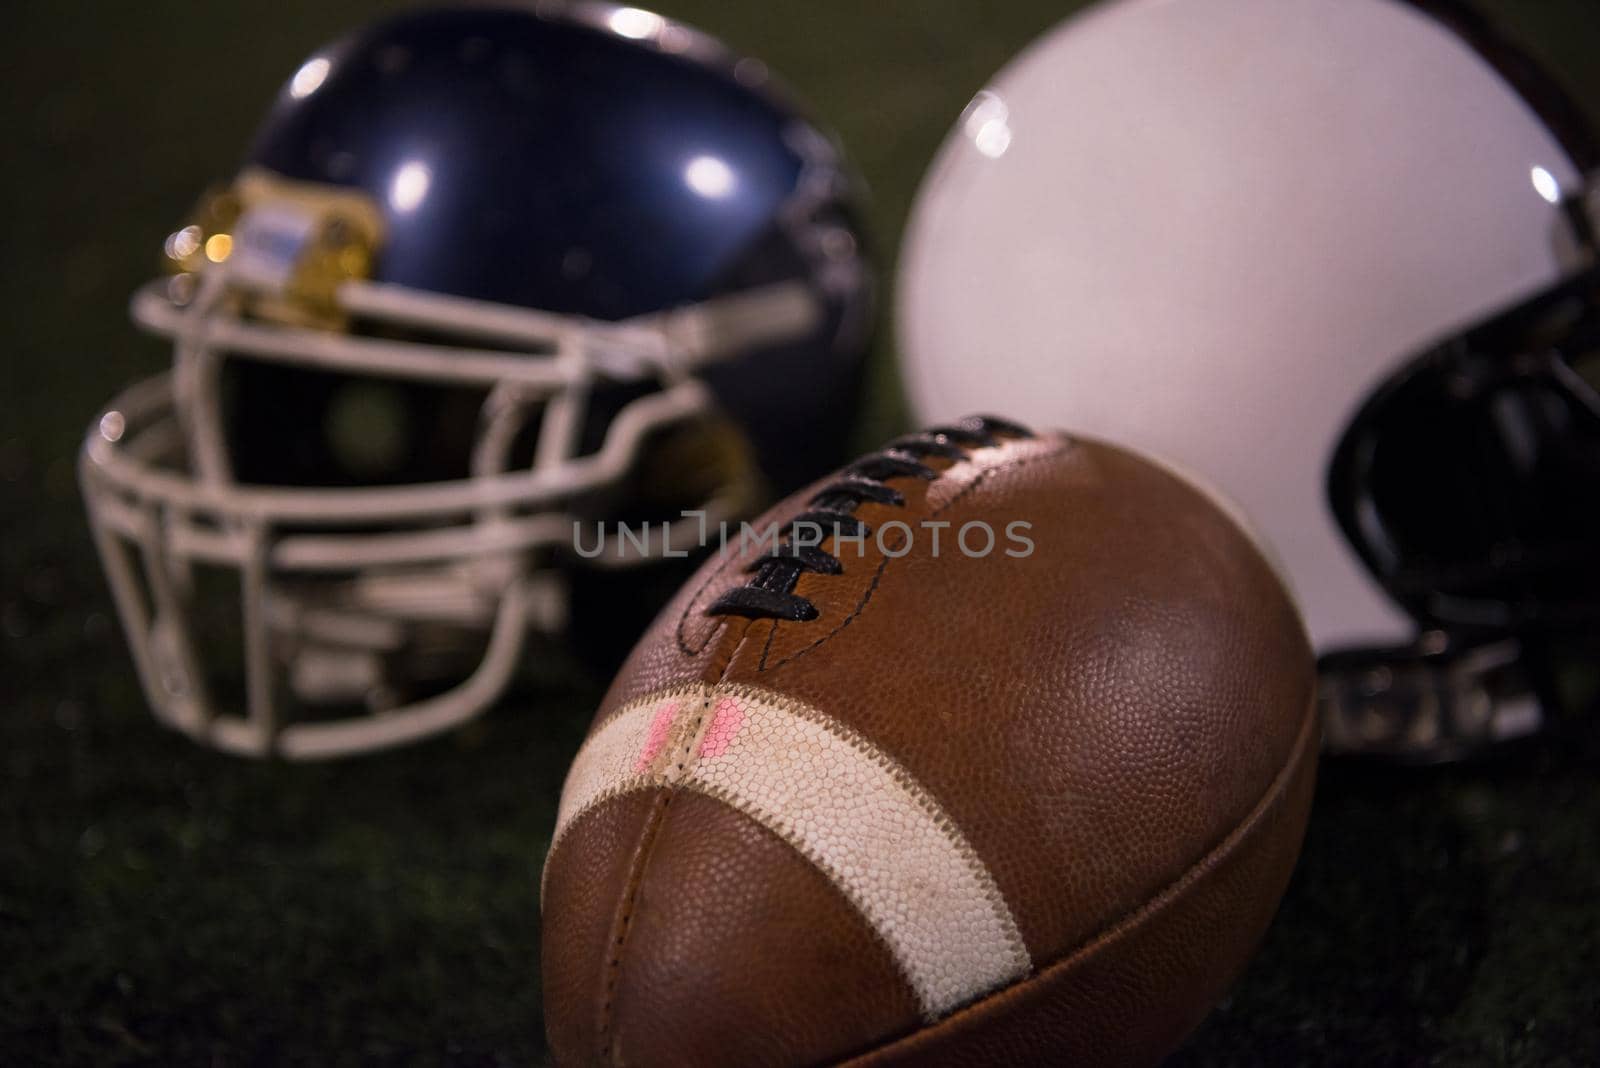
(648, 835)
(622, 923)
(631, 784)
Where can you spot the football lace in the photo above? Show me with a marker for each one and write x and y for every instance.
(770, 594)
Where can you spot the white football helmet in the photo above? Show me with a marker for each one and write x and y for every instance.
(1336, 258)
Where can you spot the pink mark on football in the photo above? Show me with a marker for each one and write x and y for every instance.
(656, 740)
(725, 723)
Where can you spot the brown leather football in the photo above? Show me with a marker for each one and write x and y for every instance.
(897, 800)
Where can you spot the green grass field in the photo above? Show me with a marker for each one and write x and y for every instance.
(162, 904)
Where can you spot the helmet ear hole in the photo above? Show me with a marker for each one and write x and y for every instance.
(691, 463)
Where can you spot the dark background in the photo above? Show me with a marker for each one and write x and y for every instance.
(160, 903)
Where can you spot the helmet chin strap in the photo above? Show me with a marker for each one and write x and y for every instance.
(1430, 704)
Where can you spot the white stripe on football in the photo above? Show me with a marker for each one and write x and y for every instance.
(844, 805)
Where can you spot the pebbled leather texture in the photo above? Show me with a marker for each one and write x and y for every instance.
(1001, 810)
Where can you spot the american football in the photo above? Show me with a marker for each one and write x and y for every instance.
(1028, 792)
(442, 623)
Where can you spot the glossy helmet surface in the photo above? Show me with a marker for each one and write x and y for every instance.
(485, 274)
(1336, 257)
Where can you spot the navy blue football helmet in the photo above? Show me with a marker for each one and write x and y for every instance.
(489, 278)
